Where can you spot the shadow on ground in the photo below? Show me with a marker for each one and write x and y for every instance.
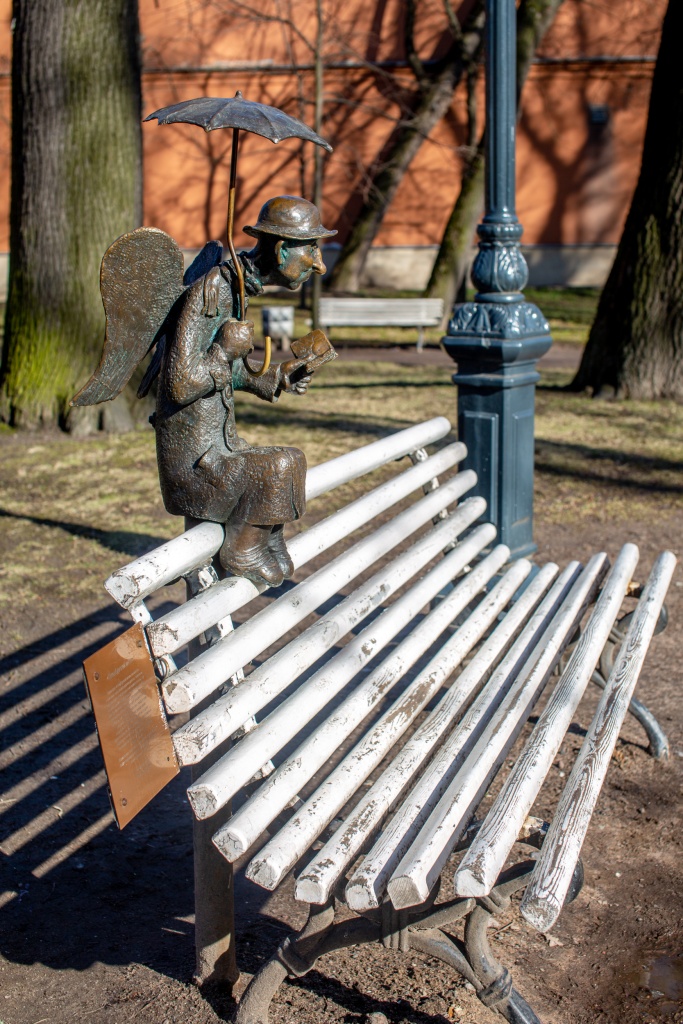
(123, 542)
(76, 890)
(613, 468)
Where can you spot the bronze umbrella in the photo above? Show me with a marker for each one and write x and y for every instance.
(235, 112)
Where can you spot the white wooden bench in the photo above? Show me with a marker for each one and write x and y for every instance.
(353, 312)
(421, 676)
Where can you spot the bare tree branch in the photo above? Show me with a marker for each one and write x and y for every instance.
(409, 43)
(252, 14)
(472, 78)
(453, 21)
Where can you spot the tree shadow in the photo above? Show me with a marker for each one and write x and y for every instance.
(125, 542)
(346, 424)
(584, 454)
(561, 389)
(62, 859)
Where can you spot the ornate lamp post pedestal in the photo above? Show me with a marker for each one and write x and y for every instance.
(497, 339)
(496, 345)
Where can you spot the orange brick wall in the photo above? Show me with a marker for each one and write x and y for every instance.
(574, 180)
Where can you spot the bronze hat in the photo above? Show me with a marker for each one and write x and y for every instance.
(289, 217)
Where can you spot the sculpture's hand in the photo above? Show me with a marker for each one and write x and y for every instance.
(293, 376)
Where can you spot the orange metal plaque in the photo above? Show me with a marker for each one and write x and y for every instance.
(131, 723)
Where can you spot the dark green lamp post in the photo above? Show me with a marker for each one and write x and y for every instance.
(497, 339)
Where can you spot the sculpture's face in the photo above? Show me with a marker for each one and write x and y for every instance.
(296, 261)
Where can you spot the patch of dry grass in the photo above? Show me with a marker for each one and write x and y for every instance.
(72, 511)
(603, 460)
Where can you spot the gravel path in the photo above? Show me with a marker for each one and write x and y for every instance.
(560, 357)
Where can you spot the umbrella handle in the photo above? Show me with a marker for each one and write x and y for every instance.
(266, 360)
(231, 221)
(235, 262)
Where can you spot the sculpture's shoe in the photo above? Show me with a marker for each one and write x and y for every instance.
(245, 552)
(278, 548)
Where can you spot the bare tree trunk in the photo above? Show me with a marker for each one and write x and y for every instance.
(451, 267)
(452, 264)
(430, 103)
(635, 347)
(76, 186)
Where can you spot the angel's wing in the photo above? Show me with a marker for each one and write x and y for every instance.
(140, 279)
(205, 260)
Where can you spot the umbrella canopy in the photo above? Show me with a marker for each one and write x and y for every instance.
(211, 112)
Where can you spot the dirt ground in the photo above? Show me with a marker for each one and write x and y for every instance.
(97, 926)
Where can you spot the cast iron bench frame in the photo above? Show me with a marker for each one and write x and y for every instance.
(514, 628)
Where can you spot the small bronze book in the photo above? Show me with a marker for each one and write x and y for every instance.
(314, 350)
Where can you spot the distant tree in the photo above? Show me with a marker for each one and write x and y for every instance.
(76, 186)
(422, 108)
(448, 278)
(320, 36)
(311, 29)
(450, 270)
(635, 346)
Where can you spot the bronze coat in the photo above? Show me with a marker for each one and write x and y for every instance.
(206, 470)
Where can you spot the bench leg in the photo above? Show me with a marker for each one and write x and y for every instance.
(472, 959)
(496, 989)
(297, 955)
(417, 928)
(214, 927)
(214, 896)
(255, 1003)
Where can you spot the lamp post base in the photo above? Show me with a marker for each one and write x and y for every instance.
(496, 346)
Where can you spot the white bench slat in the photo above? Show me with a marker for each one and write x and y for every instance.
(546, 893)
(369, 882)
(370, 457)
(281, 853)
(197, 680)
(141, 577)
(316, 882)
(267, 681)
(206, 730)
(486, 857)
(422, 864)
(178, 627)
(247, 824)
(228, 774)
(225, 778)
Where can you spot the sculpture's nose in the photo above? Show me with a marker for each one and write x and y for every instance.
(318, 265)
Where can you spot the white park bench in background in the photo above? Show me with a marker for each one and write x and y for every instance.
(418, 313)
(421, 654)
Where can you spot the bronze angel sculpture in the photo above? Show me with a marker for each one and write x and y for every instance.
(200, 340)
